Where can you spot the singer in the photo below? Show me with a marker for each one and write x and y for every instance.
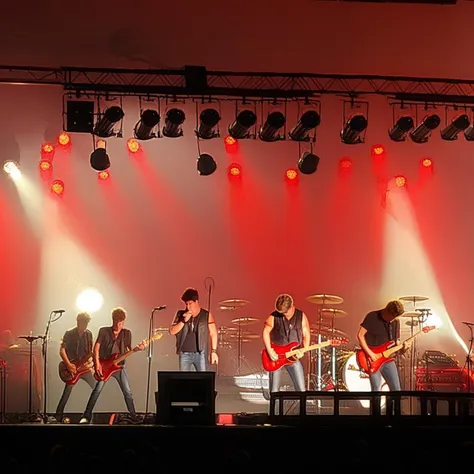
(193, 327)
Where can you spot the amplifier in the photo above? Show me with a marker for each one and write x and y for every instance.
(441, 379)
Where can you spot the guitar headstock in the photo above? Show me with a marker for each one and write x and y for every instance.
(428, 328)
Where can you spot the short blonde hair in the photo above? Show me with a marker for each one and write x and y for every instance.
(118, 315)
(84, 317)
(395, 308)
(283, 303)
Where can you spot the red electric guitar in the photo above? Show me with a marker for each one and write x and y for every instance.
(384, 353)
(82, 367)
(110, 365)
(286, 354)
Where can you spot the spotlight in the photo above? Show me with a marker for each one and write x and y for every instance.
(173, 121)
(400, 181)
(57, 187)
(423, 131)
(47, 148)
(206, 164)
(242, 124)
(345, 163)
(354, 127)
(427, 162)
(291, 174)
(235, 170)
(105, 126)
(309, 120)
(149, 119)
(400, 130)
(469, 133)
(308, 163)
(64, 139)
(100, 160)
(12, 169)
(460, 123)
(378, 150)
(269, 130)
(45, 165)
(103, 175)
(208, 119)
(133, 145)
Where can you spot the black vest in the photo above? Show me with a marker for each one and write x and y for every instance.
(201, 322)
(285, 331)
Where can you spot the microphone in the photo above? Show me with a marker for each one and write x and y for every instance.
(59, 311)
(159, 308)
(467, 324)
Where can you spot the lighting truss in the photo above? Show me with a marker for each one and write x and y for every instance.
(242, 84)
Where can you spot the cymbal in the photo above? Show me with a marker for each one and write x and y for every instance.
(226, 305)
(411, 314)
(162, 329)
(413, 299)
(226, 330)
(333, 313)
(327, 331)
(324, 299)
(245, 321)
(243, 335)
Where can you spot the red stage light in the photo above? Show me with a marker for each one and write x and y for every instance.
(229, 141)
(101, 144)
(378, 150)
(64, 139)
(400, 181)
(345, 163)
(57, 187)
(47, 151)
(103, 175)
(45, 165)
(291, 174)
(426, 162)
(133, 145)
(235, 169)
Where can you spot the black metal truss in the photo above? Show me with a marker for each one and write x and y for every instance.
(242, 84)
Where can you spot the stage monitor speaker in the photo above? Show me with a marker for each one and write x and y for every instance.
(186, 398)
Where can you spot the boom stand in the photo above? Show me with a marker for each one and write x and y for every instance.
(150, 357)
(209, 288)
(469, 360)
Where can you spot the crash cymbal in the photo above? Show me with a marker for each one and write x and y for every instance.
(413, 299)
(333, 313)
(327, 331)
(324, 299)
(243, 335)
(232, 304)
(245, 321)
(411, 314)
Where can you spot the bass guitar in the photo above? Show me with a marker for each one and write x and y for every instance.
(82, 366)
(287, 354)
(384, 353)
(111, 365)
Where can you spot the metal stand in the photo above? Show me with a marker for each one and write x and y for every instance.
(150, 358)
(208, 285)
(3, 392)
(468, 359)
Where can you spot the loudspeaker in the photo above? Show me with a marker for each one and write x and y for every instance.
(80, 116)
(186, 398)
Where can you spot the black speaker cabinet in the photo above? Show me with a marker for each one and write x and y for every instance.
(186, 398)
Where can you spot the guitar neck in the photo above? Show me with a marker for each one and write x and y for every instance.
(398, 347)
(310, 348)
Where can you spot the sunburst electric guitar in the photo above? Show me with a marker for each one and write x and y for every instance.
(82, 366)
(111, 365)
(384, 353)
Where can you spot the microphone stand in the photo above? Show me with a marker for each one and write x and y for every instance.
(468, 358)
(150, 357)
(209, 292)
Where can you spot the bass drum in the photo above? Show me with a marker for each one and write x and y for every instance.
(354, 379)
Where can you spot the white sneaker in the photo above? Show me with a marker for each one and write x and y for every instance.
(83, 421)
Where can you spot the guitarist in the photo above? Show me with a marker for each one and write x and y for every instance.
(76, 345)
(379, 327)
(286, 324)
(111, 340)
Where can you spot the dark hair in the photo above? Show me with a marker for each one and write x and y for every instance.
(190, 294)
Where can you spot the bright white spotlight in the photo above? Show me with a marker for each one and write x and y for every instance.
(433, 320)
(89, 300)
(12, 170)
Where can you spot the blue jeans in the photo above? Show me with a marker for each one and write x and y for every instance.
(87, 377)
(296, 373)
(188, 359)
(124, 384)
(389, 372)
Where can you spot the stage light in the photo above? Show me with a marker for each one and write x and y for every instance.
(307, 122)
(378, 150)
(57, 187)
(173, 121)
(308, 163)
(149, 119)
(100, 160)
(269, 130)
(89, 300)
(426, 162)
(235, 170)
(242, 124)
(401, 128)
(460, 123)
(206, 164)
(45, 165)
(345, 163)
(400, 181)
(133, 145)
(12, 169)
(229, 141)
(423, 131)
(103, 175)
(291, 174)
(101, 144)
(105, 126)
(469, 133)
(353, 128)
(47, 147)
(64, 139)
(208, 121)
